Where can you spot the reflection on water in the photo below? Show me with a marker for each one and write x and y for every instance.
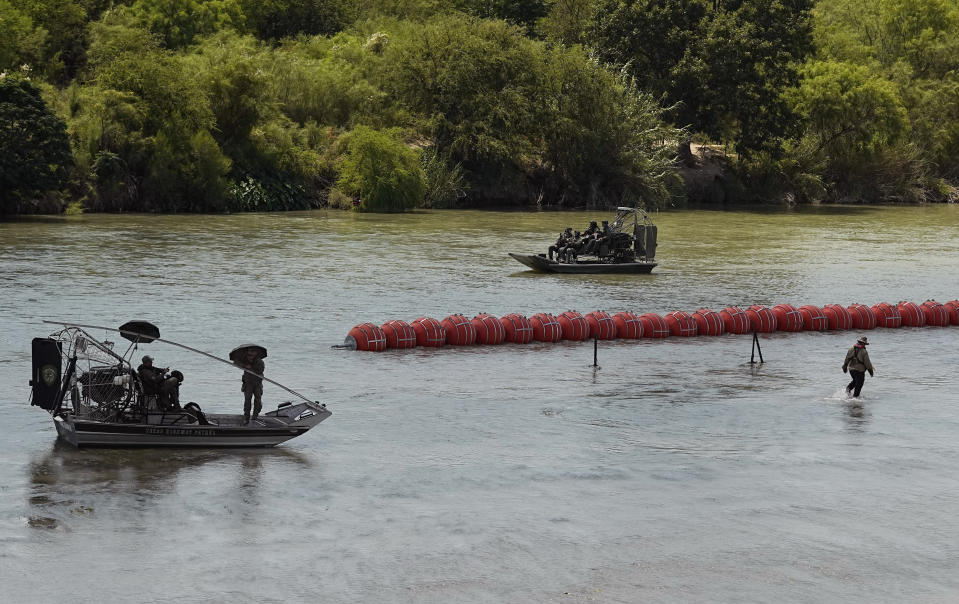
(857, 416)
(67, 482)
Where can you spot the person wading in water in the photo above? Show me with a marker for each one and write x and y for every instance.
(857, 362)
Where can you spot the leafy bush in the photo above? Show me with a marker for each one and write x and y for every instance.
(380, 171)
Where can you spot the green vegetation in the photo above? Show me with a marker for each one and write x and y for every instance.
(387, 105)
(34, 152)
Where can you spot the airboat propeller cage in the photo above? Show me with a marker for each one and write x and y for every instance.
(139, 332)
(238, 354)
(644, 232)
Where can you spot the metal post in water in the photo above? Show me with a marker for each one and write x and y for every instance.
(595, 352)
(752, 359)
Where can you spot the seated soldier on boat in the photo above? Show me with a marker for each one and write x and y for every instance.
(163, 389)
(564, 239)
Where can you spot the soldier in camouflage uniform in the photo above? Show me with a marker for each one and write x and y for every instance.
(252, 387)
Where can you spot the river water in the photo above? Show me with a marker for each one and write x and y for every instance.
(677, 472)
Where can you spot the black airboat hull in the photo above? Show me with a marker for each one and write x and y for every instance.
(224, 431)
(539, 262)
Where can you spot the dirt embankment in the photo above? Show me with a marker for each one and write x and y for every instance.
(706, 174)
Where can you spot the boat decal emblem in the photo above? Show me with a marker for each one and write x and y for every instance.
(48, 373)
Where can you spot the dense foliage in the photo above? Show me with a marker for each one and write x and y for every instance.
(386, 105)
(34, 152)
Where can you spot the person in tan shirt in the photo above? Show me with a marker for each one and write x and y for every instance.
(857, 363)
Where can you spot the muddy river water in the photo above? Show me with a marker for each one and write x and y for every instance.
(676, 472)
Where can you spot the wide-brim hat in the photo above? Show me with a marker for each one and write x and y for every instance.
(863, 340)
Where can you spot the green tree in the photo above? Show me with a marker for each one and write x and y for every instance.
(848, 110)
(721, 66)
(567, 20)
(519, 12)
(603, 137)
(528, 121)
(20, 41)
(379, 171)
(912, 46)
(180, 22)
(34, 149)
(142, 126)
(277, 19)
(474, 85)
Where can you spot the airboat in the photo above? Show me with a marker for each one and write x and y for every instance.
(627, 245)
(97, 398)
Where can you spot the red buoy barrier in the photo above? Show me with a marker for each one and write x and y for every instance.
(936, 315)
(399, 334)
(488, 329)
(546, 328)
(574, 326)
(761, 318)
(813, 318)
(680, 323)
(787, 318)
(601, 325)
(654, 326)
(366, 336)
(459, 331)
(709, 323)
(952, 309)
(887, 315)
(912, 316)
(518, 328)
(735, 320)
(628, 326)
(862, 316)
(429, 332)
(837, 316)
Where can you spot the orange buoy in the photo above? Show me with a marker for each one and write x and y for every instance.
(837, 316)
(735, 320)
(399, 334)
(952, 309)
(709, 323)
(459, 331)
(887, 315)
(573, 325)
(761, 318)
(546, 328)
(488, 329)
(936, 315)
(680, 323)
(628, 326)
(862, 316)
(813, 318)
(912, 316)
(601, 325)
(366, 336)
(518, 328)
(429, 332)
(787, 318)
(654, 326)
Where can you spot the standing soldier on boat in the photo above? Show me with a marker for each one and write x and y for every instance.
(250, 358)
